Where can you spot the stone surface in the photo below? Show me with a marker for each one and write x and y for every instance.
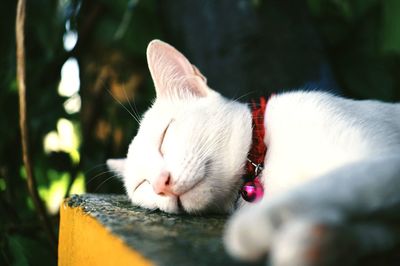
(165, 239)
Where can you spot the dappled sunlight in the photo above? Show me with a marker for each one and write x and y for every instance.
(78, 187)
(70, 82)
(70, 37)
(54, 194)
(73, 104)
(69, 86)
(67, 137)
(64, 139)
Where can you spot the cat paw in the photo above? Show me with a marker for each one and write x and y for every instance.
(308, 242)
(290, 235)
(249, 234)
(251, 230)
(301, 243)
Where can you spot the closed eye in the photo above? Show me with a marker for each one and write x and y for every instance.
(162, 138)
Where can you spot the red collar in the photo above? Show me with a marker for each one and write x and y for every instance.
(258, 149)
(252, 189)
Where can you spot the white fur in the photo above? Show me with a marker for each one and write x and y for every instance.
(312, 133)
(186, 147)
(328, 159)
(204, 148)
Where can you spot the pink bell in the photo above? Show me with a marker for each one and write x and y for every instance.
(252, 191)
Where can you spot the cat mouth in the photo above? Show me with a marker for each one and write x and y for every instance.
(179, 204)
(141, 183)
(181, 209)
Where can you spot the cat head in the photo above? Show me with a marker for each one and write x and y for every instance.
(191, 146)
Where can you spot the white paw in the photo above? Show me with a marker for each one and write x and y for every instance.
(249, 234)
(309, 242)
(291, 235)
(299, 243)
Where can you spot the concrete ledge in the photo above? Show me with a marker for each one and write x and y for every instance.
(108, 230)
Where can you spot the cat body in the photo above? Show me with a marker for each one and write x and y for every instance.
(329, 161)
(332, 163)
(312, 133)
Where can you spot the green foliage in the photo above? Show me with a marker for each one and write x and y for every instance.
(363, 43)
(65, 167)
(17, 250)
(390, 27)
(20, 250)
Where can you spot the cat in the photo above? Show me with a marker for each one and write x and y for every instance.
(332, 166)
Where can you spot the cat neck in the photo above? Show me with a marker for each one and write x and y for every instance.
(252, 189)
(258, 148)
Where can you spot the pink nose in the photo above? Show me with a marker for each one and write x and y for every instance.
(162, 185)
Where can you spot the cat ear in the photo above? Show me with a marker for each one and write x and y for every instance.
(117, 166)
(198, 73)
(173, 74)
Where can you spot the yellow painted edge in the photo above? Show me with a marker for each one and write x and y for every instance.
(84, 241)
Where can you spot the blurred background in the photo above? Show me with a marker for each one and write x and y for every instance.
(86, 72)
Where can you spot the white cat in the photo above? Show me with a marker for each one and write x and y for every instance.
(331, 165)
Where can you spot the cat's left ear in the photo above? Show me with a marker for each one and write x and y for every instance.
(117, 166)
(173, 74)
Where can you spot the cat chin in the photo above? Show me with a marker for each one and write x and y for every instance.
(153, 201)
(203, 201)
(169, 205)
(196, 201)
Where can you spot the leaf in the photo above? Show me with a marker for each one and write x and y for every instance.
(17, 251)
(390, 27)
(29, 251)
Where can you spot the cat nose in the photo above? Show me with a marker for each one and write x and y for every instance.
(162, 185)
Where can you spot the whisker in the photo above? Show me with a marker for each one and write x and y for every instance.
(137, 110)
(100, 174)
(94, 167)
(102, 183)
(123, 106)
(244, 95)
(134, 111)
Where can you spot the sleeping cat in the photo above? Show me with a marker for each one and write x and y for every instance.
(331, 167)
